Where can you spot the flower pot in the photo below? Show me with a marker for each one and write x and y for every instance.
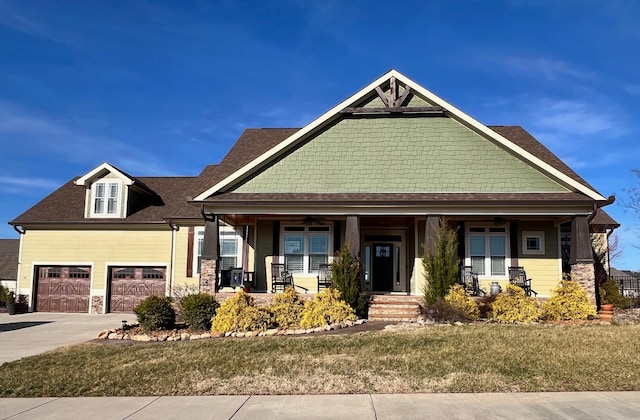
(606, 307)
(11, 308)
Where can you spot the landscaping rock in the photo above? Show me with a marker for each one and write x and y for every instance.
(251, 334)
(216, 334)
(112, 336)
(318, 329)
(239, 334)
(144, 337)
(299, 331)
(308, 331)
(328, 328)
(228, 334)
(271, 332)
(184, 336)
(103, 334)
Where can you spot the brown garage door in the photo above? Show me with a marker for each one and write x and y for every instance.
(130, 285)
(63, 289)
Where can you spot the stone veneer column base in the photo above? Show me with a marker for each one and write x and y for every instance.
(97, 305)
(584, 274)
(208, 270)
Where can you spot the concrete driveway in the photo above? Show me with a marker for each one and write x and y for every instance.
(34, 333)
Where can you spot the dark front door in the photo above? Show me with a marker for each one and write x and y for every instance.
(382, 267)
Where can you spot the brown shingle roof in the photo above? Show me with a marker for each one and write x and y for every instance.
(522, 138)
(66, 204)
(9, 249)
(603, 219)
(252, 143)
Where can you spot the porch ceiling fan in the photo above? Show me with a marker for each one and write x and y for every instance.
(311, 220)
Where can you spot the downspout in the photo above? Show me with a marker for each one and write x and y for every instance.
(172, 273)
(22, 231)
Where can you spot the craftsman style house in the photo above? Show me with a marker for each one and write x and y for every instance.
(380, 170)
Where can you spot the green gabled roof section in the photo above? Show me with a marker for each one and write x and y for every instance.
(376, 155)
(276, 162)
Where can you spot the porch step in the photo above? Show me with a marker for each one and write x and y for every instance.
(394, 308)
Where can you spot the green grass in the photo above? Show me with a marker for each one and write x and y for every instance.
(470, 358)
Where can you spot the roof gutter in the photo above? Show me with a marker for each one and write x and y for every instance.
(19, 229)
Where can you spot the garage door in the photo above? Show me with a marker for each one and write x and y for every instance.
(63, 288)
(130, 285)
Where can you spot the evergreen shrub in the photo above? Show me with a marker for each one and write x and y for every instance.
(240, 314)
(441, 265)
(198, 309)
(568, 301)
(514, 306)
(156, 313)
(458, 298)
(287, 308)
(326, 308)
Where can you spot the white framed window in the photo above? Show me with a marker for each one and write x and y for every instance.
(487, 250)
(230, 248)
(305, 247)
(106, 196)
(533, 243)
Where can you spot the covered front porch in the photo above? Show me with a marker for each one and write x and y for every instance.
(391, 248)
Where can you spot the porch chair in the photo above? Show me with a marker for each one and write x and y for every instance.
(324, 276)
(469, 280)
(518, 277)
(237, 277)
(280, 278)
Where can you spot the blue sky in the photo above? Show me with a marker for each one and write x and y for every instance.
(164, 88)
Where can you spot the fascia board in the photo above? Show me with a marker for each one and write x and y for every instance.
(84, 180)
(382, 210)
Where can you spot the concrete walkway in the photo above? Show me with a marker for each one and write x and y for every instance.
(29, 334)
(544, 405)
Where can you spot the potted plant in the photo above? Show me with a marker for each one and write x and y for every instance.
(611, 297)
(11, 303)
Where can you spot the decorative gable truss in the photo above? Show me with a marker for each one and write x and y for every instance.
(111, 192)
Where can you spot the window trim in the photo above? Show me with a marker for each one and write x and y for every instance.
(198, 238)
(533, 234)
(307, 233)
(119, 198)
(487, 234)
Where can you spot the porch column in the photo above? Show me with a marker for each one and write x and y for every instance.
(352, 235)
(581, 258)
(432, 227)
(210, 254)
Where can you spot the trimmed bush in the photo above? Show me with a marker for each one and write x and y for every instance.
(156, 313)
(441, 266)
(514, 306)
(458, 298)
(287, 308)
(326, 308)
(568, 301)
(240, 314)
(198, 309)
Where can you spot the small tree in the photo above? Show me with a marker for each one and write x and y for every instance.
(441, 265)
(346, 271)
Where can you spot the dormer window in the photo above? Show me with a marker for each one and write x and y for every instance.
(106, 198)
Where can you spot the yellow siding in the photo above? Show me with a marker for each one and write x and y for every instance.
(181, 249)
(93, 247)
(543, 270)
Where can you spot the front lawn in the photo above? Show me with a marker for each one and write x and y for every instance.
(468, 358)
